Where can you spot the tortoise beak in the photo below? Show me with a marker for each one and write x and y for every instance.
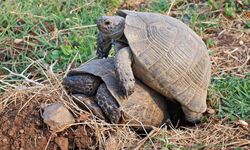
(103, 23)
(100, 21)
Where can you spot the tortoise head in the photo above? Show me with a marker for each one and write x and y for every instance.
(111, 26)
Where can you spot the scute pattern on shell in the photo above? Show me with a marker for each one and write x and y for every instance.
(159, 41)
(144, 105)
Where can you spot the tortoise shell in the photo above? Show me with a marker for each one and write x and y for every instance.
(144, 105)
(169, 57)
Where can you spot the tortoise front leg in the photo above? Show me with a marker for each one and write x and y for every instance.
(108, 104)
(123, 62)
(104, 45)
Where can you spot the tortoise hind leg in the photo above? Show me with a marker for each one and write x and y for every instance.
(123, 62)
(191, 116)
(88, 103)
(82, 84)
(108, 104)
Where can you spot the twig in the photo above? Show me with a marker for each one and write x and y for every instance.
(108, 124)
(22, 76)
(6, 83)
(70, 64)
(48, 142)
(36, 16)
(172, 4)
(77, 28)
(149, 136)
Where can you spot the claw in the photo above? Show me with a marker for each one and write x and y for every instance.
(115, 116)
(127, 90)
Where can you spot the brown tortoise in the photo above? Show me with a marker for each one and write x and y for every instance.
(162, 52)
(97, 78)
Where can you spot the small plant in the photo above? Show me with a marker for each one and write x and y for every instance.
(214, 5)
(230, 9)
(210, 43)
(112, 3)
(247, 24)
(161, 6)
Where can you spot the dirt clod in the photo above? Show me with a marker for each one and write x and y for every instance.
(112, 143)
(62, 142)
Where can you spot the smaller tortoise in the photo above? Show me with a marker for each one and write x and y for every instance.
(162, 52)
(98, 76)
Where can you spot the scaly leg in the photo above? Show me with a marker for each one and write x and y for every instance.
(82, 84)
(123, 62)
(108, 104)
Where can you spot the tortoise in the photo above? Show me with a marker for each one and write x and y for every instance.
(97, 78)
(162, 52)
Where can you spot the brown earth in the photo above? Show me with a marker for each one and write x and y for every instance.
(26, 130)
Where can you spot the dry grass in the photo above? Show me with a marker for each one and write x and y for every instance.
(230, 54)
(213, 134)
(27, 91)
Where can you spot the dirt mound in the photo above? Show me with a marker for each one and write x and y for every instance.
(26, 130)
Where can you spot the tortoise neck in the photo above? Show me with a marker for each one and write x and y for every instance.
(122, 39)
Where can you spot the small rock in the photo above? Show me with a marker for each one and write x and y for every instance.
(5, 140)
(210, 111)
(21, 131)
(11, 132)
(238, 26)
(18, 41)
(57, 117)
(241, 42)
(241, 123)
(62, 142)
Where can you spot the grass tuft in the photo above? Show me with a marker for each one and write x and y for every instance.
(32, 29)
(232, 96)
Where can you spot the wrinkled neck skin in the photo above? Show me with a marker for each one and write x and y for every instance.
(118, 39)
(118, 35)
(122, 39)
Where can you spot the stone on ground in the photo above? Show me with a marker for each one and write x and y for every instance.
(57, 117)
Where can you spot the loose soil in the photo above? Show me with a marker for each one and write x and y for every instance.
(26, 130)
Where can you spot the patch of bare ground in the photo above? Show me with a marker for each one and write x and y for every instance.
(230, 53)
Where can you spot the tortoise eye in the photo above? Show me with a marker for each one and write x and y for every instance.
(107, 22)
